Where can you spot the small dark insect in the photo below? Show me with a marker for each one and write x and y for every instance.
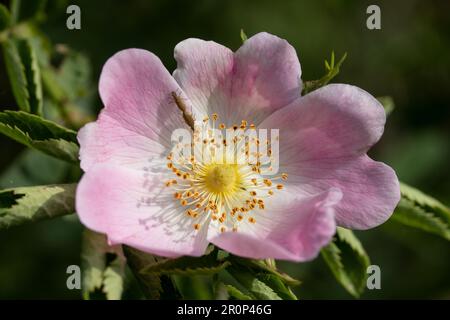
(186, 115)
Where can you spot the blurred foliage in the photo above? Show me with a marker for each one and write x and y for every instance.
(408, 60)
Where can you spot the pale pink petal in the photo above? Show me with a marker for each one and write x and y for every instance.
(294, 229)
(261, 77)
(135, 208)
(140, 113)
(323, 140)
(370, 189)
(333, 121)
(106, 141)
(267, 76)
(204, 70)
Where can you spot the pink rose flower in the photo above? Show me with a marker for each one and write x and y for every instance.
(134, 192)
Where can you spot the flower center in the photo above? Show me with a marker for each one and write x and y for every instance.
(223, 185)
(222, 178)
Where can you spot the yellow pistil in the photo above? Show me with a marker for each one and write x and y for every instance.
(222, 178)
(228, 192)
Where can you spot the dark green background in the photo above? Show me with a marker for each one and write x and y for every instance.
(408, 59)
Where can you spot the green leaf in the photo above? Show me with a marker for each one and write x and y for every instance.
(154, 286)
(32, 74)
(9, 199)
(29, 204)
(425, 201)
(277, 285)
(332, 70)
(40, 134)
(16, 74)
(348, 261)
(249, 280)
(266, 272)
(388, 104)
(114, 279)
(243, 36)
(423, 212)
(236, 294)
(24, 74)
(93, 259)
(204, 265)
(261, 266)
(5, 18)
(38, 40)
(26, 9)
(98, 272)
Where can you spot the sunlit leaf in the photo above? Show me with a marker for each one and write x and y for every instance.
(93, 258)
(40, 134)
(99, 273)
(9, 199)
(113, 282)
(29, 204)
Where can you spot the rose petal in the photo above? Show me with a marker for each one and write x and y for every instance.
(261, 77)
(334, 121)
(203, 71)
(370, 189)
(134, 208)
(294, 229)
(140, 113)
(323, 140)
